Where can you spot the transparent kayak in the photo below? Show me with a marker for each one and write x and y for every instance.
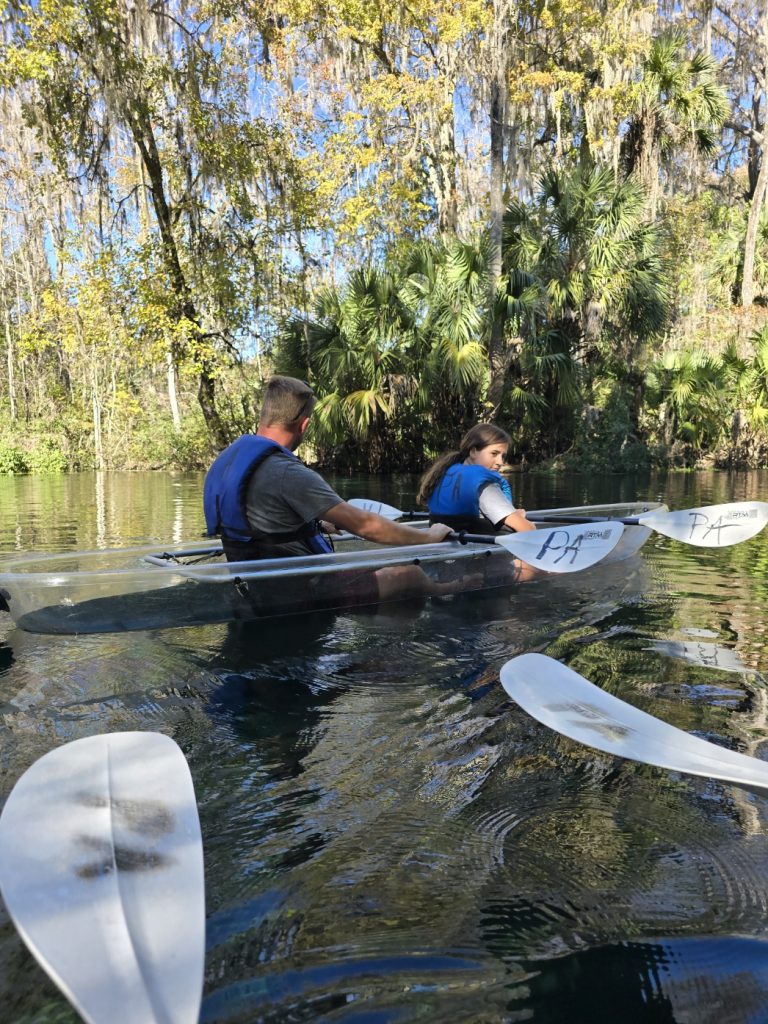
(153, 587)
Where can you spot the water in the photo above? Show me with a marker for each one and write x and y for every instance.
(387, 838)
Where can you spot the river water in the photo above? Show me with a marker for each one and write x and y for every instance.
(387, 838)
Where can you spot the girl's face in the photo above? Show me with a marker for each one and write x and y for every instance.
(491, 457)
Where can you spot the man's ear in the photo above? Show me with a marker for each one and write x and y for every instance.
(303, 424)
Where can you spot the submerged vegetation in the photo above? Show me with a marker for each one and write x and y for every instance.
(546, 213)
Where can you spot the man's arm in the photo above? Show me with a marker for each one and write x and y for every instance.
(371, 526)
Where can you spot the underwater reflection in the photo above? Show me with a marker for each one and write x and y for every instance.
(711, 980)
(6, 657)
(698, 652)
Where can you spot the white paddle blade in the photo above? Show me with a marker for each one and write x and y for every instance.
(101, 868)
(371, 505)
(712, 526)
(563, 549)
(564, 701)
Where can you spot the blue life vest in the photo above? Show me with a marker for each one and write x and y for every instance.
(456, 499)
(226, 488)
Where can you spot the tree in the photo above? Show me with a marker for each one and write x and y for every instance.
(447, 287)
(744, 31)
(134, 102)
(394, 356)
(679, 107)
(688, 390)
(352, 350)
(586, 281)
(761, 187)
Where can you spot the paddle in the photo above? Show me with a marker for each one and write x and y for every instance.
(101, 868)
(382, 509)
(566, 702)
(711, 526)
(564, 549)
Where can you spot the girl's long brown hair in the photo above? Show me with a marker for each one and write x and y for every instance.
(480, 436)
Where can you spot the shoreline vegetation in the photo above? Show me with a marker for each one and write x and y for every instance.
(540, 215)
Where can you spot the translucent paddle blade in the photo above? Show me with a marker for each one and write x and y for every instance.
(101, 868)
(370, 505)
(564, 701)
(564, 549)
(712, 526)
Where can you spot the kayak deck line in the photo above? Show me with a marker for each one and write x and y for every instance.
(163, 586)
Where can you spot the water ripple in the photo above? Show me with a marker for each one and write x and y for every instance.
(387, 837)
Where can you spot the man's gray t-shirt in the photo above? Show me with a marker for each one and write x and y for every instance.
(283, 494)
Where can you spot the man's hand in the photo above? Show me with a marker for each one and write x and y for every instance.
(436, 533)
(371, 526)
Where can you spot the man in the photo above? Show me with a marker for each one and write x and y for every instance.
(265, 503)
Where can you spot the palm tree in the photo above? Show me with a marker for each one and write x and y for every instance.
(727, 267)
(679, 106)
(748, 384)
(714, 405)
(397, 356)
(754, 383)
(354, 349)
(586, 288)
(447, 287)
(690, 393)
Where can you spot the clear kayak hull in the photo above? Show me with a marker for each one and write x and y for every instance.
(154, 587)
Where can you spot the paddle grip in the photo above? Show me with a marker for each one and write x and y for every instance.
(472, 538)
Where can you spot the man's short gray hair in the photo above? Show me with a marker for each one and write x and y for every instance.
(286, 401)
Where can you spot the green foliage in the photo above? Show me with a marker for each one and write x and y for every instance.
(207, 220)
(585, 241)
(47, 457)
(398, 355)
(606, 439)
(586, 288)
(680, 107)
(158, 445)
(35, 452)
(394, 355)
(13, 461)
(154, 444)
(691, 396)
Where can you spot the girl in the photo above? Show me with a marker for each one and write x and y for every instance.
(465, 490)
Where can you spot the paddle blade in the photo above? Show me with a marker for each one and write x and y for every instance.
(564, 701)
(563, 549)
(712, 526)
(370, 505)
(101, 868)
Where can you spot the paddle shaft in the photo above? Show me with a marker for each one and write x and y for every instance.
(711, 526)
(390, 512)
(533, 517)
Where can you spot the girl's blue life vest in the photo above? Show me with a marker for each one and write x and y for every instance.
(456, 499)
(225, 491)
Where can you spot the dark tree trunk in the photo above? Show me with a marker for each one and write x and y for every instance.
(143, 136)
